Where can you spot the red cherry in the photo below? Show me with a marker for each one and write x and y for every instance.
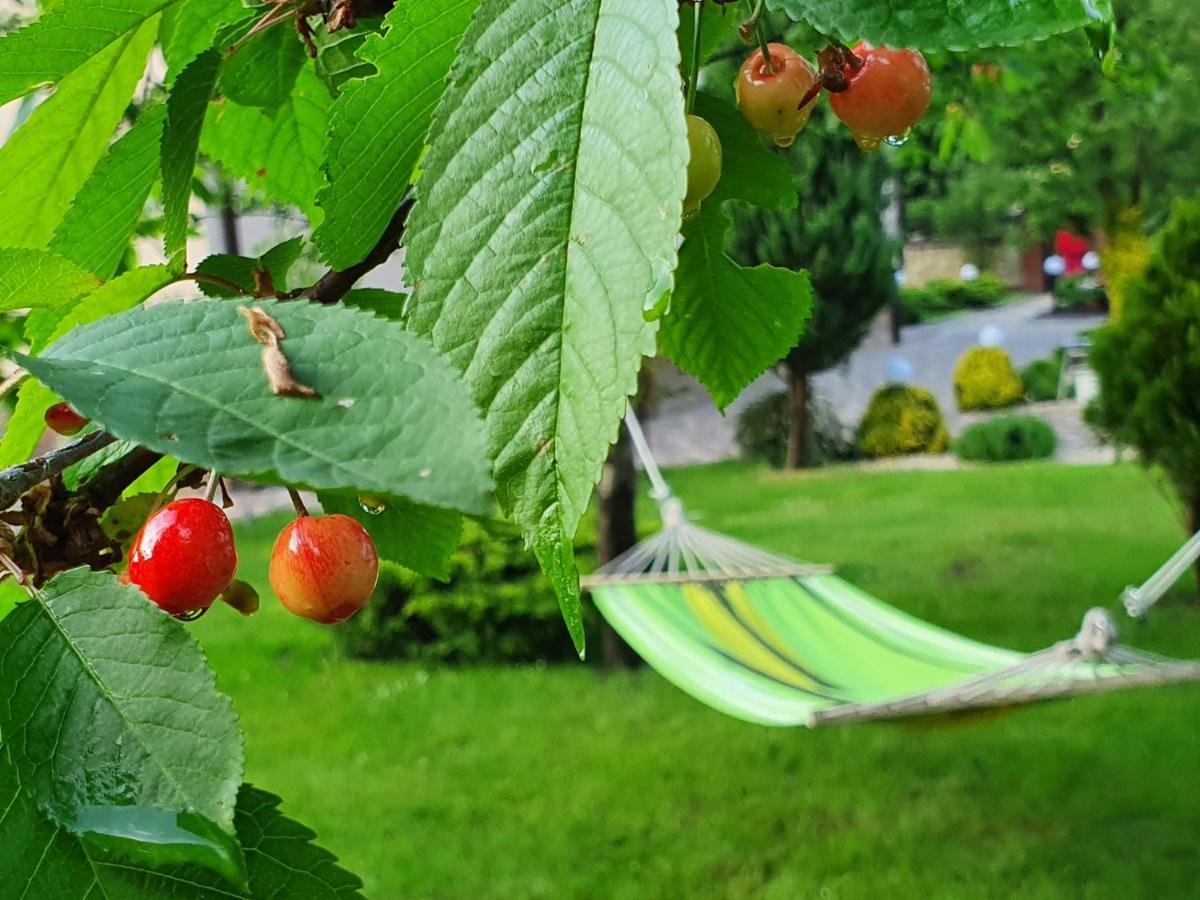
(769, 94)
(324, 568)
(63, 419)
(887, 94)
(184, 556)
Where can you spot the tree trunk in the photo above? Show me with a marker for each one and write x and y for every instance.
(229, 222)
(799, 449)
(616, 532)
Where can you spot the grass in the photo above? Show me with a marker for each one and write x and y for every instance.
(566, 782)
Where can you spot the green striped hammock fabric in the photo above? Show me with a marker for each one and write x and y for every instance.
(778, 641)
(815, 650)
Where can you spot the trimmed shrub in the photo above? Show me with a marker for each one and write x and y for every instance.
(1040, 378)
(1124, 258)
(1078, 293)
(943, 295)
(984, 378)
(496, 607)
(1007, 439)
(985, 291)
(902, 419)
(762, 432)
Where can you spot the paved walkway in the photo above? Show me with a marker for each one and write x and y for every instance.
(687, 428)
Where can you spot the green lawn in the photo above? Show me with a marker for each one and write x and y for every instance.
(567, 782)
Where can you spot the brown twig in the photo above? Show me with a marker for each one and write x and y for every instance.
(105, 488)
(336, 283)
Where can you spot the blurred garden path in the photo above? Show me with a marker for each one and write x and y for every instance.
(686, 428)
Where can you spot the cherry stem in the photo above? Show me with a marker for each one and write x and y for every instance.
(694, 74)
(214, 478)
(768, 62)
(232, 286)
(301, 509)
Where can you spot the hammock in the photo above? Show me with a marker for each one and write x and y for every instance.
(778, 641)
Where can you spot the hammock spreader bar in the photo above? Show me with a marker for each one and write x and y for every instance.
(785, 642)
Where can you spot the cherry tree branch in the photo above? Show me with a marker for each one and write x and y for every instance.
(16, 480)
(106, 486)
(336, 283)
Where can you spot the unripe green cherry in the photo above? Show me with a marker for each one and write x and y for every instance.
(704, 163)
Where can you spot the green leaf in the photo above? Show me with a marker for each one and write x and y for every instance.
(100, 223)
(27, 425)
(111, 714)
(749, 170)
(718, 27)
(68, 37)
(378, 124)
(44, 326)
(389, 304)
(263, 72)
(191, 27)
(729, 323)
(547, 220)
(45, 860)
(50, 157)
(337, 54)
(945, 24)
(280, 157)
(240, 269)
(418, 537)
(186, 379)
(36, 278)
(180, 145)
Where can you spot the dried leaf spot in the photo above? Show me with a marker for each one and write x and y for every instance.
(270, 334)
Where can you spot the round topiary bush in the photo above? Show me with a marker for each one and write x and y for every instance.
(901, 419)
(1040, 378)
(984, 378)
(1007, 439)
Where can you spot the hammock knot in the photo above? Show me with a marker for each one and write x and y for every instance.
(1096, 636)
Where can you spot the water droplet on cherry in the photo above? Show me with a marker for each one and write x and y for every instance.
(867, 143)
(899, 140)
(785, 141)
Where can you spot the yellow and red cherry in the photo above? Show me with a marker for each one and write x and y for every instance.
(184, 556)
(324, 568)
(61, 417)
(704, 163)
(885, 95)
(770, 92)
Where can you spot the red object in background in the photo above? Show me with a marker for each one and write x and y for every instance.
(1072, 248)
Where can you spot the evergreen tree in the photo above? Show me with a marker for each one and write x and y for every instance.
(836, 232)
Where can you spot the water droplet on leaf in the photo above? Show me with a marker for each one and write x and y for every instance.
(372, 505)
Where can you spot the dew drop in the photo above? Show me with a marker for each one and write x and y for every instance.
(899, 140)
(867, 143)
(372, 505)
(785, 140)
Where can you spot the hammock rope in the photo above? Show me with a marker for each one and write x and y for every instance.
(782, 641)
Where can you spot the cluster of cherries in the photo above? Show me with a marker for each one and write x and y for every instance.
(879, 92)
(323, 568)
